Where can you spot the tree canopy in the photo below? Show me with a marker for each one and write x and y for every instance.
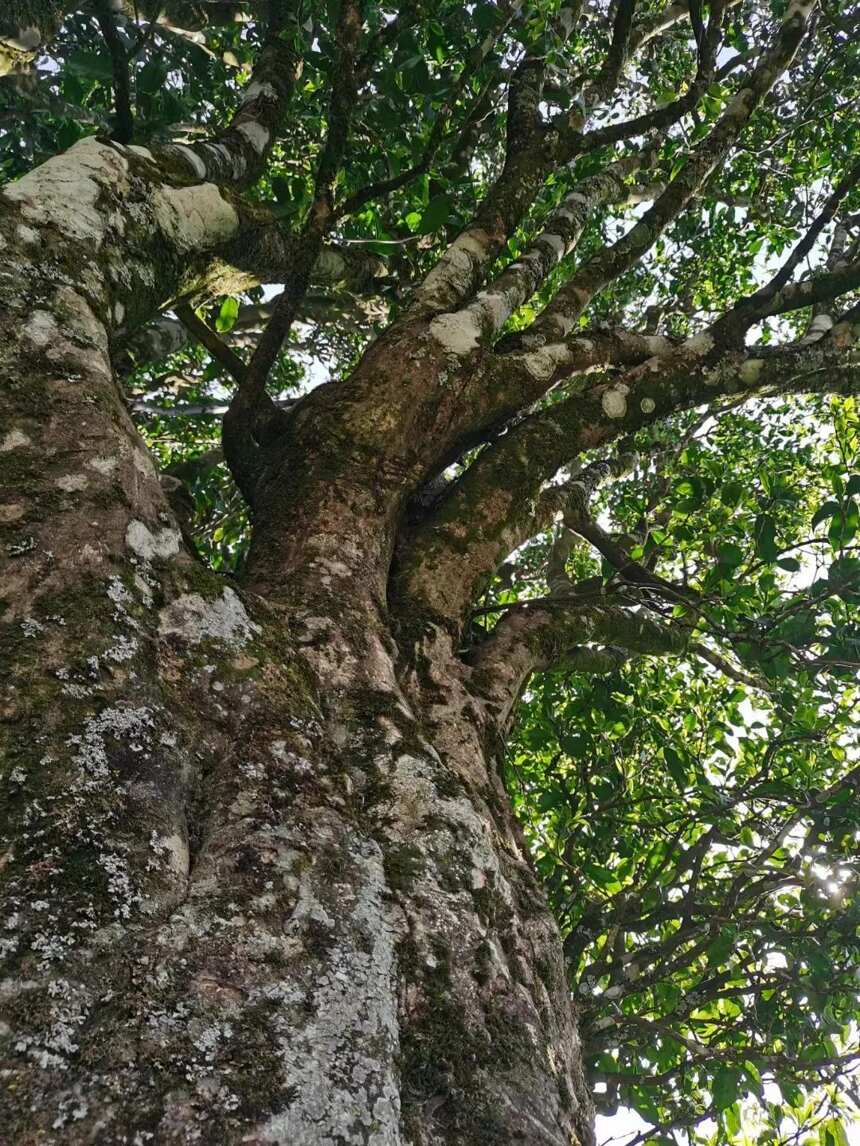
(673, 184)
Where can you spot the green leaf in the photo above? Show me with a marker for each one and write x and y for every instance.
(824, 512)
(730, 555)
(227, 315)
(765, 538)
(732, 1116)
(752, 1072)
(731, 493)
(844, 525)
(790, 1091)
(677, 767)
(725, 1086)
(720, 949)
(833, 1133)
(435, 215)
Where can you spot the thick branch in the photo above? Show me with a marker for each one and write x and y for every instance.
(530, 155)
(532, 639)
(491, 309)
(238, 155)
(498, 504)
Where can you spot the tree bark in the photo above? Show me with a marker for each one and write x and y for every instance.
(263, 883)
(28, 26)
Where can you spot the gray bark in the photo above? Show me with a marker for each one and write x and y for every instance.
(262, 881)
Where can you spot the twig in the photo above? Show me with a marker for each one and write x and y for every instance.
(207, 337)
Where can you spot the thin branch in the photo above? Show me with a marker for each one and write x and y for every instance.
(207, 337)
(250, 397)
(617, 56)
(759, 305)
(123, 117)
(574, 296)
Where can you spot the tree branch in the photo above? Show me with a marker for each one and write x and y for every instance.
(484, 318)
(541, 638)
(236, 433)
(497, 504)
(574, 296)
(238, 155)
(123, 117)
(207, 337)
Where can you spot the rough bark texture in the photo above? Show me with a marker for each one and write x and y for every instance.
(263, 884)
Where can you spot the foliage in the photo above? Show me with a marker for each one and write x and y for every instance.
(698, 835)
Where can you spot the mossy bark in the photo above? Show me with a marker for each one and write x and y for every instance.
(261, 879)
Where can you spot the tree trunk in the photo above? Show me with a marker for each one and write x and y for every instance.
(263, 883)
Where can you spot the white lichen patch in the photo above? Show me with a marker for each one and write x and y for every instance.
(63, 192)
(492, 309)
(27, 235)
(121, 599)
(750, 370)
(195, 619)
(143, 463)
(355, 991)
(452, 275)
(554, 242)
(614, 401)
(194, 218)
(561, 323)
(256, 135)
(457, 333)
(544, 362)
(191, 158)
(330, 267)
(42, 329)
(104, 465)
(71, 483)
(162, 544)
(12, 511)
(647, 405)
(123, 649)
(819, 326)
(657, 344)
(173, 849)
(119, 723)
(699, 344)
(256, 89)
(14, 440)
(53, 1047)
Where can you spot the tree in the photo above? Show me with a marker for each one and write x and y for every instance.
(281, 864)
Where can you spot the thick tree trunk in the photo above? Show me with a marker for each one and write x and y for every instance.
(263, 883)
